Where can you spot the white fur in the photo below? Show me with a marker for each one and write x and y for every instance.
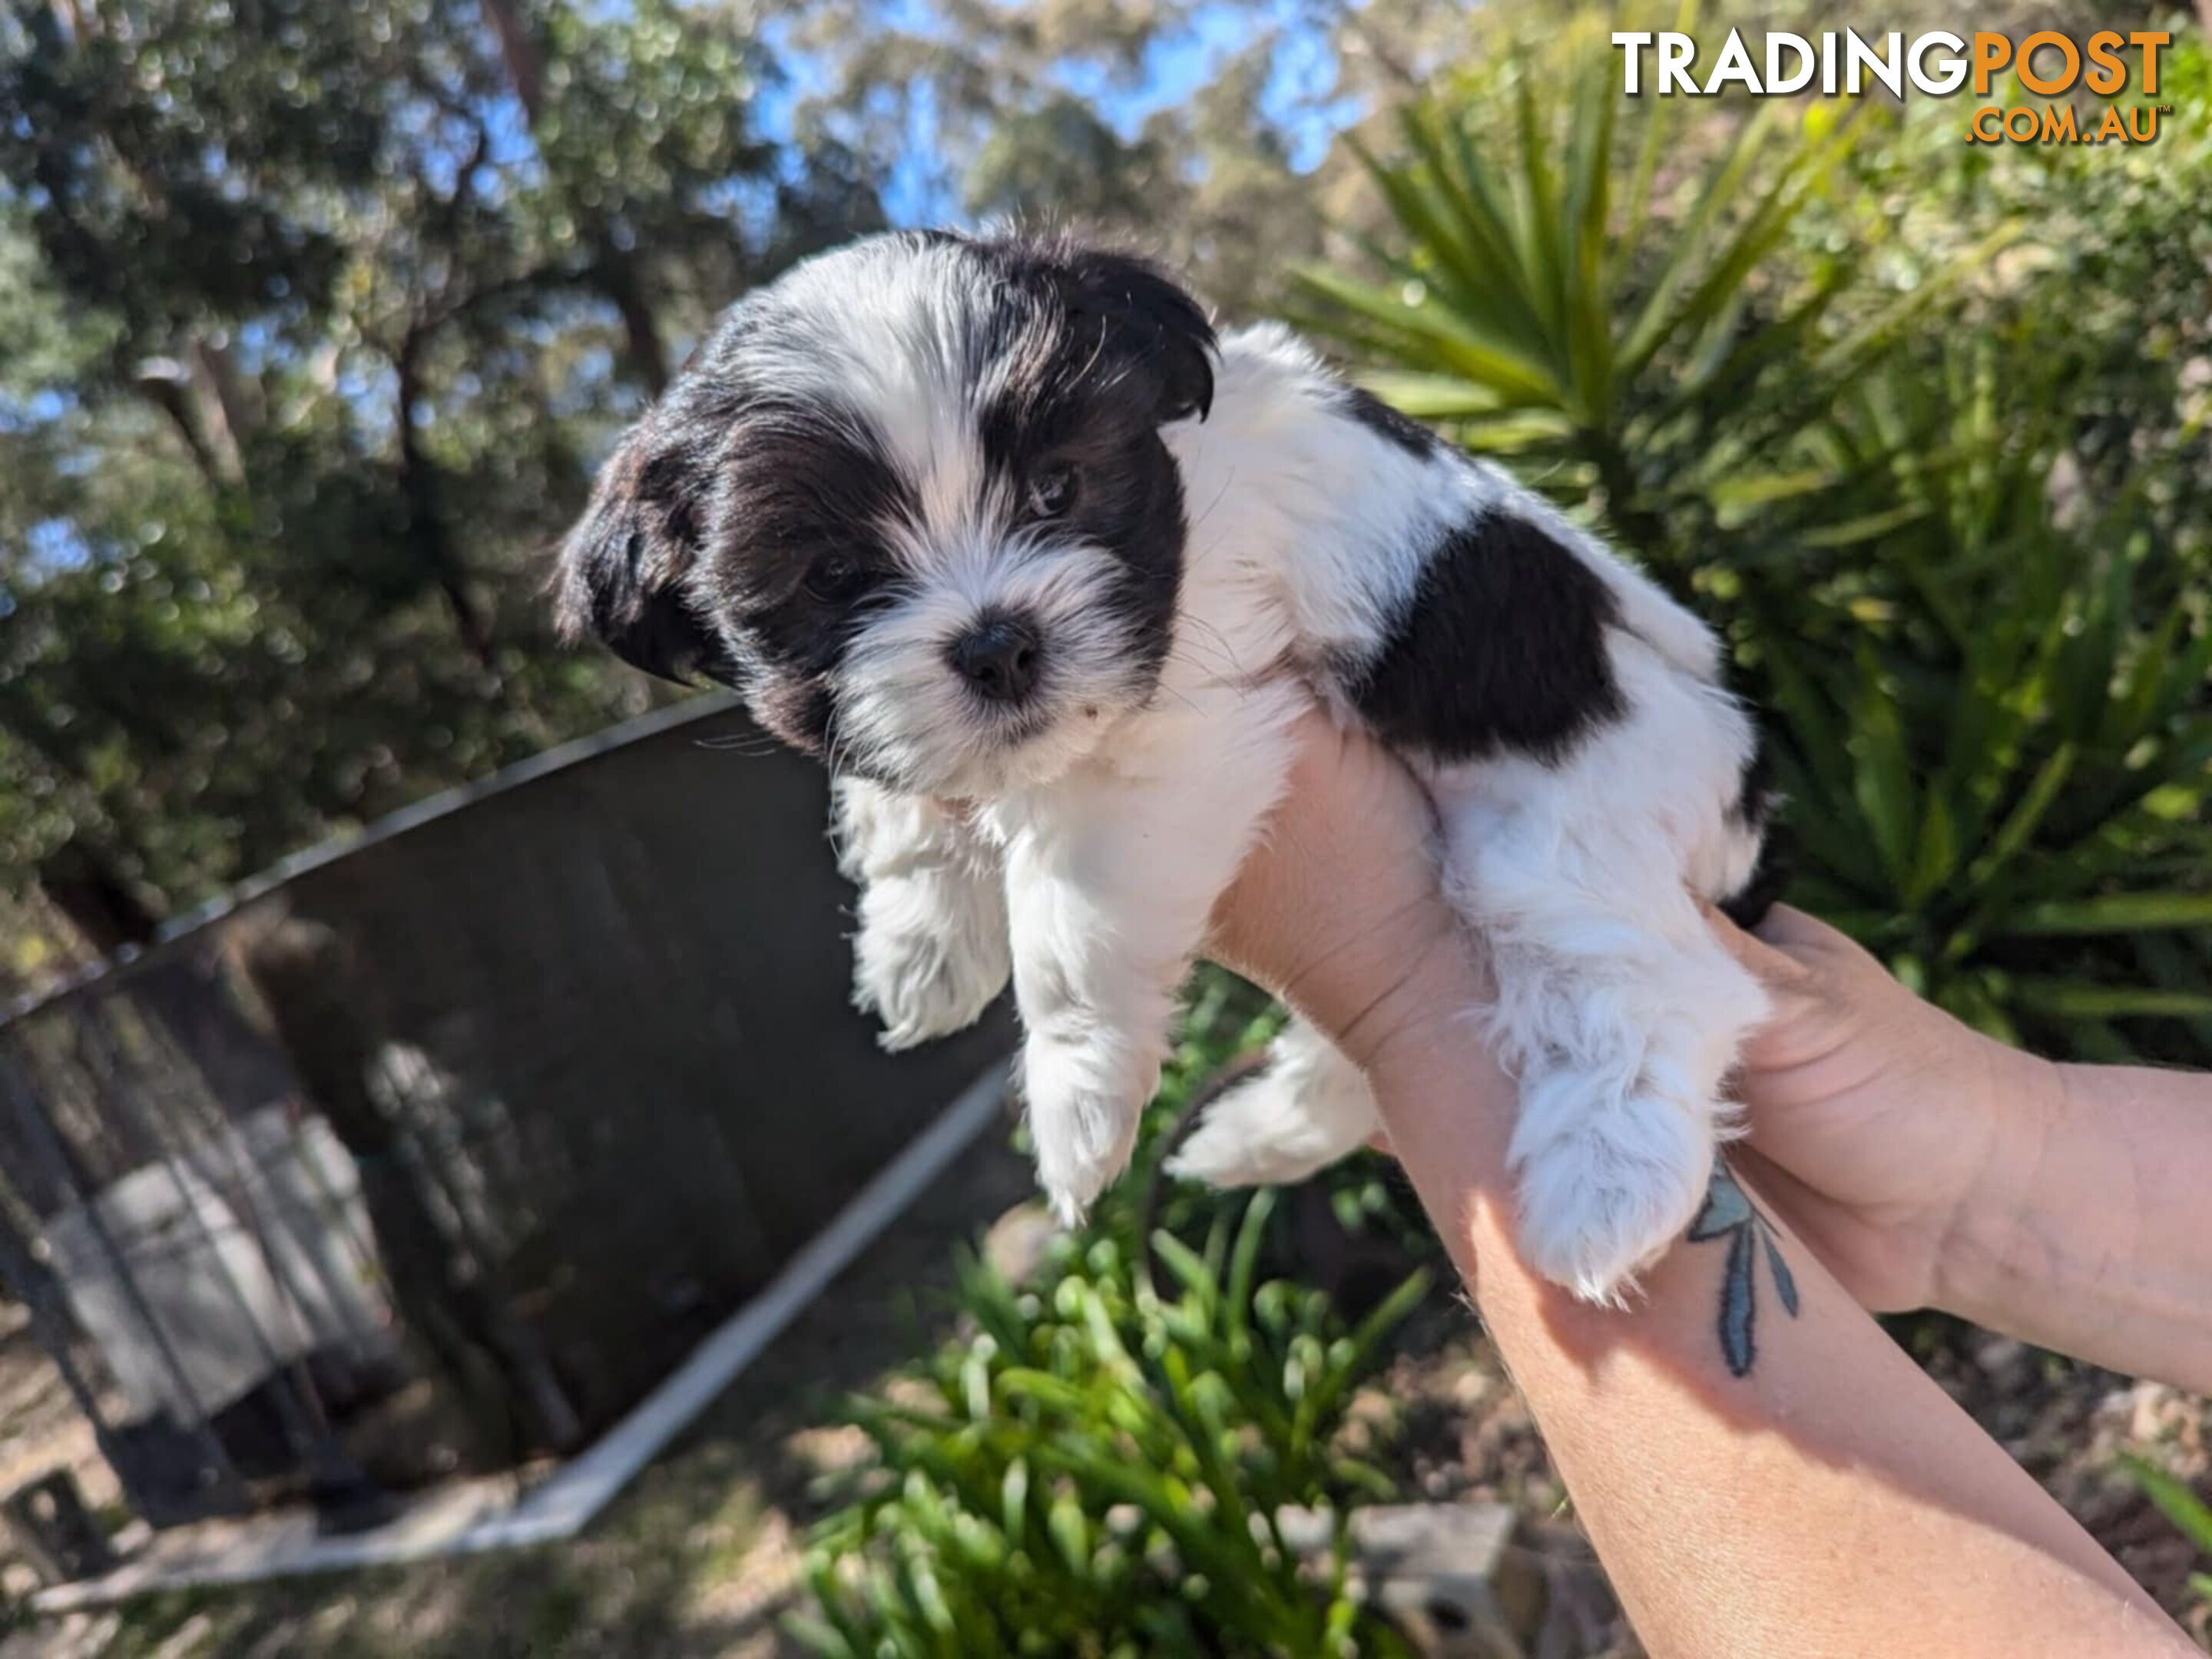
(931, 952)
(904, 707)
(1308, 1107)
(1119, 822)
(1617, 1009)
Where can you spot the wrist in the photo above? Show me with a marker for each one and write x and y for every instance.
(2024, 1104)
(1408, 1011)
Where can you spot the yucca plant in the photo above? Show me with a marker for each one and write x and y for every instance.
(1098, 1469)
(1566, 279)
(1987, 695)
(1990, 715)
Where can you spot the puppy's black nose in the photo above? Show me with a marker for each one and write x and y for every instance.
(999, 657)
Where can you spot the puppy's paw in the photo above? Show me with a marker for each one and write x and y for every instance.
(1304, 1109)
(923, 984)
(1085, 1099)
(1605, 1191)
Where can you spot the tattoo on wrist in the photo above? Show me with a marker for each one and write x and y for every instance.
(1729, 1213)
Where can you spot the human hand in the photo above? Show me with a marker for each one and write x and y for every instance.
(1338, 910)
(1876, 1120)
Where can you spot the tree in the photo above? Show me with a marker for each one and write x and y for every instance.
(313, 318)
(1210, 132)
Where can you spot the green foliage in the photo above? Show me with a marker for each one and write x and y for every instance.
(1104, 1453)
(2183, 1507)
(1605, 303)
(1992, 726)
(318, 315)
(1099, 1468)
(1225, 1020)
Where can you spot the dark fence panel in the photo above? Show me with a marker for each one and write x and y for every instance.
(581, 1039)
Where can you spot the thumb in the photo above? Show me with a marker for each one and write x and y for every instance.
(1774, 969)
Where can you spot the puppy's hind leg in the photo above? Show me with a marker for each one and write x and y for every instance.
(1305, 1107)
(1618, 1012)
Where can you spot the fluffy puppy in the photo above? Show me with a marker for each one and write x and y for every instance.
(1044, 571)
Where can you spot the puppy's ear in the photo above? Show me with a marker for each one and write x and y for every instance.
(620, 574)
(1149, 318)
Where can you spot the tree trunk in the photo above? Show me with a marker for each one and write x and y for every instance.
(426, 526)
(518, 51)
(170, 395)
(233, 407)
(101, 903)
(619, 277)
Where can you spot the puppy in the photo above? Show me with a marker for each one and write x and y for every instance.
(1045, 571)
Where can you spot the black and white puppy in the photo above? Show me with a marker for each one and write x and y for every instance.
(1045, 572)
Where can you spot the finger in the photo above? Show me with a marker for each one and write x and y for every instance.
(1789, 929)
(1768, 964)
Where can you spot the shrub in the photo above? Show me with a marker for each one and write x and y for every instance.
(1608, 305)
(1099, 1468)
(1992, 724)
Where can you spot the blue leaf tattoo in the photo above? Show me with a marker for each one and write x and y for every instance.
(1729, 1213)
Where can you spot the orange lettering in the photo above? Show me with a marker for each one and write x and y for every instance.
(2040, 84)
(2112, 71)
(2150, 40)
(1991, 53)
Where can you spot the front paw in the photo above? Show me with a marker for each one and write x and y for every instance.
(923, 984)
(1085, 1098)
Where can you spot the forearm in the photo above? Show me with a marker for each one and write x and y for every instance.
(1829, 1500)
(2090, 1232)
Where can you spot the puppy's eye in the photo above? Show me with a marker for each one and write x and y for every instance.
(1053, 491)
(838, 576)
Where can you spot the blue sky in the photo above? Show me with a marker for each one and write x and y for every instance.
(1175, 68)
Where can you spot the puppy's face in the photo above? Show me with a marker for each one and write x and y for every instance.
(912, 501)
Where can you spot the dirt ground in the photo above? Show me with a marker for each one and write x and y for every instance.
(700, 1557)
(40, 1427)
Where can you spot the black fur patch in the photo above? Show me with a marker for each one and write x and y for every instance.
(623, 568)
(1755, 798)
(1502, 650)
(1120, 315)
(1769, 879)
(1062, 410)
(1754, 809)
(1384, 422)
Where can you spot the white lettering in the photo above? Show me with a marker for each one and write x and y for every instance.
(1951, 71)
(1633, 41)
(1776, 44)
(1734, 66)
(1889, 70)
